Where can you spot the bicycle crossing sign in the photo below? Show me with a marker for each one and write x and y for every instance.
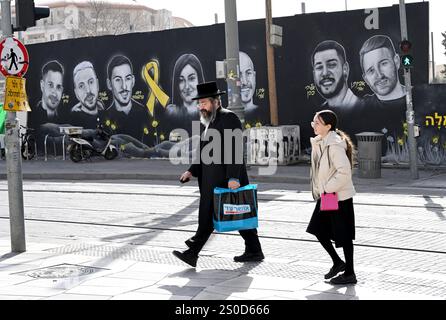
(15, 95)
(14, 57)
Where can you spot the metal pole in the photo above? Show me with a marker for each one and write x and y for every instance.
(433, 58)
(303, 7)
(345, 5)
(271, 67)
(13, 158)
(216, 18)
(232, 60)
(410, 115)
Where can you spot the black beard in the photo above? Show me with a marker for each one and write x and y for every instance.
(338, 89)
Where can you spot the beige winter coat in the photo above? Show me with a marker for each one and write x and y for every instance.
(333, 176)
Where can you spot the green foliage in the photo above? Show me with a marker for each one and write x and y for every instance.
(2, 120)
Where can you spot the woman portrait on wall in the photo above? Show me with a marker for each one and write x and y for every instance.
(187, 73)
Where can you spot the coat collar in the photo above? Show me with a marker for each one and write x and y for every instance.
(332, 138)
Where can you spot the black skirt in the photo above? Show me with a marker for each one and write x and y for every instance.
(338, 225)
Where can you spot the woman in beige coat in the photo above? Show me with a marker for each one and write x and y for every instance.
(331, 171)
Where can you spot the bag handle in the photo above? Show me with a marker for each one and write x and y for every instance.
(329, 161)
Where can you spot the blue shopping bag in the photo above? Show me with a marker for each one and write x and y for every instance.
(235, 209)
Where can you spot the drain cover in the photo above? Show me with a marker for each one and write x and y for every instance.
(61, 271)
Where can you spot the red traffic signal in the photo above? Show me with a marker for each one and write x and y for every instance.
(405, 46)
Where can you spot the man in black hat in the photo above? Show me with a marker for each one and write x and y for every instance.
(220, 172)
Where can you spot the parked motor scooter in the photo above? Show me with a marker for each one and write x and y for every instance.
(100, 145)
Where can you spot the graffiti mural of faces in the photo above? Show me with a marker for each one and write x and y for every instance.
(248, 82)
(330, 75)
(187, 73)
(51, 86)
(380, 64)
(120, 80)
(125, 115)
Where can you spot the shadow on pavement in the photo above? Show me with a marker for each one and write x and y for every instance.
(193, 275)
(431, 206)
(350, 293)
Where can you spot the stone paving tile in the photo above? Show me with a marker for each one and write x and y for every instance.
(264, 282)
(99, 290)
(28, 290)
(313, 295)
(213, 296)
(188, 282)
(20, 297)
(119, 282)
(69, 296)
(159, 288)
(148, 296)
(247, 293)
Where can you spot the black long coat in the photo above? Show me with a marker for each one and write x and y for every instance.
(217, 174)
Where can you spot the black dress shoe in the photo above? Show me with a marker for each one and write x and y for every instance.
(343, 279)
(187, 256)
(335, 270)
(190, 242)
(249, 257)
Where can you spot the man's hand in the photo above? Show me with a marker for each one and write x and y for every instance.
(233, 184)
(185, 177)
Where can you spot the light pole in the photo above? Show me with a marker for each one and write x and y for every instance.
(271, 67)
(410, 115)
(13, 158)
(232, 60)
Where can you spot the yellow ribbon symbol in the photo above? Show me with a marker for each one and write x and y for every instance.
(156, 93)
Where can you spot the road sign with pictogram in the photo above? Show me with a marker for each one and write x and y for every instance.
(14, 57)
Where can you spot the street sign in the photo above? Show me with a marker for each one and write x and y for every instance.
(14, 57)
(15, 95)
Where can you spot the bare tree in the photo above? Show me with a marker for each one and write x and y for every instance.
(102, 18)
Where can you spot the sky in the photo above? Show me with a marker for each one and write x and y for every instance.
(202, 12)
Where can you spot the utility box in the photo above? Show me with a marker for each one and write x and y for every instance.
(369, 154)
(276, 34)
(220, 68)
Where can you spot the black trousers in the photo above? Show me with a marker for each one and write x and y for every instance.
(252, 243)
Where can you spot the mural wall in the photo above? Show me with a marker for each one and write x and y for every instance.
(141, 85)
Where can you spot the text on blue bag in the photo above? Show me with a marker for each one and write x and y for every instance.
(236, 209)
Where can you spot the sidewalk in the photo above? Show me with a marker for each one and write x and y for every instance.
(117, 267)
(163, 169)
(71, 270)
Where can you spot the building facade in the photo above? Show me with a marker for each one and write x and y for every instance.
(88, 18)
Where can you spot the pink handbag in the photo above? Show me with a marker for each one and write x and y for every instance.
(329, 202)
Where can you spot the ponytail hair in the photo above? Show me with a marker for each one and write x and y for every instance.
(330, 117)
(351, 152)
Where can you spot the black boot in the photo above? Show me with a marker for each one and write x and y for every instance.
(190, 242)
(335, 270)
(250, 257)
(187, 256)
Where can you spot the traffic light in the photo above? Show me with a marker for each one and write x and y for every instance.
(406, 57)
(27, 14)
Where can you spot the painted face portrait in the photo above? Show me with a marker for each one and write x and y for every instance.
(329, 73)
(188, 83)
(52, 89)
(381, 70)
(121, 83)
(247, 78)
(86, 88)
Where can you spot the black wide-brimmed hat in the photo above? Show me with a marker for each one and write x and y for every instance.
(207, 90)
